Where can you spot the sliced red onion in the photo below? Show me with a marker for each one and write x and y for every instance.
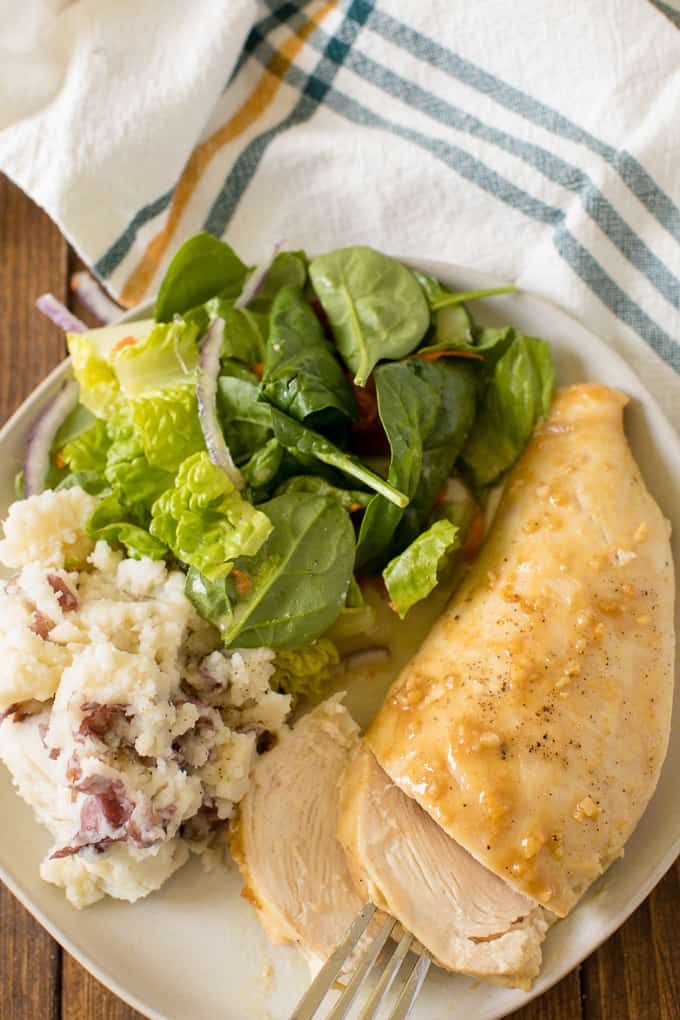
(366, 657)
(37, 461)
(255, 282)
(59, 314)
(94, 298)
(206, 393)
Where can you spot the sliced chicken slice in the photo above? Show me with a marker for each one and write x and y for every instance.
(469, 919)
(533, 722)
(285, 836)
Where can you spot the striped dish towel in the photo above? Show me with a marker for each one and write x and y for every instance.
(537, 140)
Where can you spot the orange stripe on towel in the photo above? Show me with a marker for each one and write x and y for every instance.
(137, 283)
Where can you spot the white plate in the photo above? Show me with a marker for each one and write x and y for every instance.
(195, 949)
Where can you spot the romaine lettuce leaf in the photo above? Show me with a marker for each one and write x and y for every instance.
(204, 520)
(167, 425)
(142, 377)
(304, 672)
(88, 451)
(132, 477)
(413, 574)
(166, 357)
(91, 355)
(77, 422)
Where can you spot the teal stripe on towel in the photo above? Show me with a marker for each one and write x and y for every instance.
(634, 175)
(581, 261)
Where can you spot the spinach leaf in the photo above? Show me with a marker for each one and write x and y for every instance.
(91, 481)
(239, 370)
(413, 574)
(489, 342)
(301, 373)
(426, 410)
(297, 582)
(289, 269)
(115, 522)
(243, 338)
(209, 598)
(453, 386)
(374, 305)
(306, 445)
(247, 422)
(518, 393)
(261, 469)
(349, 499)
(201, 269)
(251, 324)
(408, 409)
(453, 324)
(438, 296)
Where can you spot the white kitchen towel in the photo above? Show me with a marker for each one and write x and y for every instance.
(538, 140)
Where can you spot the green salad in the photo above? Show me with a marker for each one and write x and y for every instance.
(283, 434)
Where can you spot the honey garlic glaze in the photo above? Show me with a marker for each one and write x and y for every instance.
(534, 720)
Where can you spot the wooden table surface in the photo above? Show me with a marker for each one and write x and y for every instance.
(633, 976)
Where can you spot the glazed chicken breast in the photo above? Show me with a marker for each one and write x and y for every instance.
(518, 748)
(532, 724)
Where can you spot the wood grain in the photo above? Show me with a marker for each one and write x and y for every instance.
(558, 1003)
(633, 976)
(32, 260)
(82, 997)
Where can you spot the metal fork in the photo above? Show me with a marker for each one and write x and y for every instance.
(308, 1005)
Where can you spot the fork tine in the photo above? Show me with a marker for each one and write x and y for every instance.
(310, 1001)
(407, 999)
(370, 1010)
(344, 1003)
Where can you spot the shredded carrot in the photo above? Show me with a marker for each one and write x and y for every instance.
(59, 459)
(392, 606)
(259, 369)
(127, 341)
(242, 581)
(475, 536)
(435, 355)
(354, 507)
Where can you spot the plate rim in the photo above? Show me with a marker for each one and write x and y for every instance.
(433, 266)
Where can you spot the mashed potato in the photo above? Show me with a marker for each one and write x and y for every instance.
(123, 726)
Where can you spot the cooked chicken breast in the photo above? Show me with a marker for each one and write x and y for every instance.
(533, 723)
(469, 919)
(284, 837)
